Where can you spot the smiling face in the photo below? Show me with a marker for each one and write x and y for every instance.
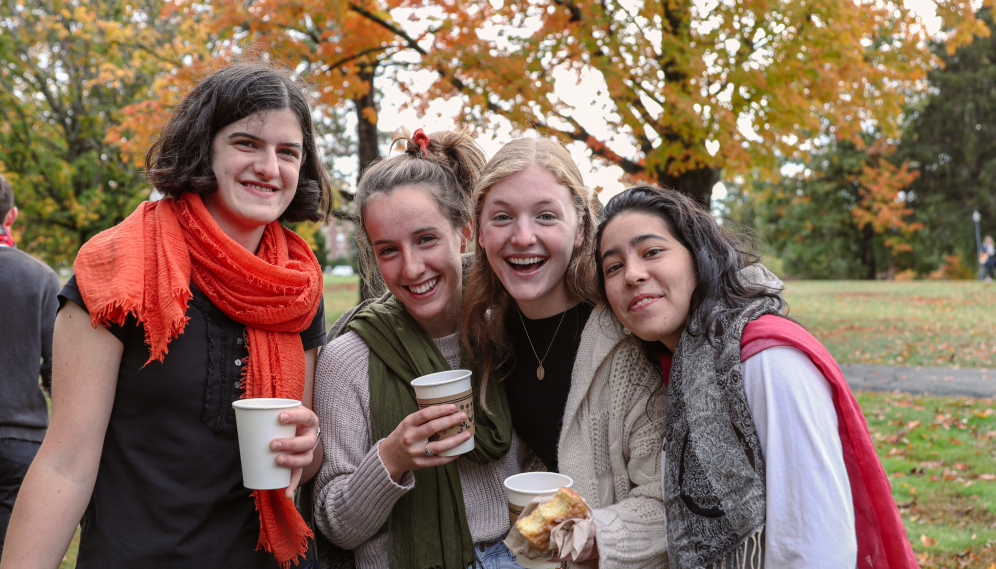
(529, 230)
(256, 161)
(418, 254)
(649, 276)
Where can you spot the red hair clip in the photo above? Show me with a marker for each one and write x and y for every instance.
(422, 139)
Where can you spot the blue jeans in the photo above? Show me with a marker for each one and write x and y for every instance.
(496, 556)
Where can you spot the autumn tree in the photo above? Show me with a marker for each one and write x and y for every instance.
(845, 215)
(66, 70)
(681, 81)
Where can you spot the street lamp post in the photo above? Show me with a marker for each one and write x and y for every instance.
(977, 217)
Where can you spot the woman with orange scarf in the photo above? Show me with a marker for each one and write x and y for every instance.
(192, 302)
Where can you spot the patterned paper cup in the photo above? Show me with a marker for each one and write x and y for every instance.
(449, 387)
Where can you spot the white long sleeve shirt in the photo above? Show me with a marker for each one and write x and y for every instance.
(809, 509)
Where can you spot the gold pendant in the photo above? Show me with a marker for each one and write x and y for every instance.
(540, 373)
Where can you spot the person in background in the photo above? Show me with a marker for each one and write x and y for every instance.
(383, 490)
(987, 260)
(767, 458)
(29, 290)
(192, 302)
(581, 394)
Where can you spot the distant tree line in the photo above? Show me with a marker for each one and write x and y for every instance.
(940, 170)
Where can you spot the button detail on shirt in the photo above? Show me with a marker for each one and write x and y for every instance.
(238, 362)
(238, 341)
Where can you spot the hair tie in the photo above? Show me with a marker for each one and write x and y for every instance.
(422, 139)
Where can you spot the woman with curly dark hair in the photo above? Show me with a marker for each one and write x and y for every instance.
(767, 459)
(191, 303)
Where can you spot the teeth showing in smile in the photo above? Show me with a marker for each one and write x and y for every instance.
(643, 301)
(260, 188)
(526, 261)
(423, 288)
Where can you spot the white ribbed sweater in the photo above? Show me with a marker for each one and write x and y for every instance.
(354, 492)
(611, 447)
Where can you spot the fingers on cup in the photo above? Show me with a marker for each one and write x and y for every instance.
(449, 443)
(441, 424)
(299, 416)
(430, 413)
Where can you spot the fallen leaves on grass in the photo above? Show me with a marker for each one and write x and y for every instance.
(927, 541)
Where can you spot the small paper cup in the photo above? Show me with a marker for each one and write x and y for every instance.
(258, 422)
(521, 490)
(449, 387)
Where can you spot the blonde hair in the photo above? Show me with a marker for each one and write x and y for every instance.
(486, 301)
(448, 171)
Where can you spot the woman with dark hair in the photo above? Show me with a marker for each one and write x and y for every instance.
(191, 303)
(385, 490)
(767, 459)
(579, 392)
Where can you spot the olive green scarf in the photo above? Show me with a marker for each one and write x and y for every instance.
(428, 525)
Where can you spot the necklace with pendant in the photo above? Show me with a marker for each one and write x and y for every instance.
(540, 372)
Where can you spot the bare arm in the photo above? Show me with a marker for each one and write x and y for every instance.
(59, 483)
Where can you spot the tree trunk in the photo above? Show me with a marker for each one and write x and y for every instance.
(868, 251)
(366, 130)
(696, 184)
(367, 148)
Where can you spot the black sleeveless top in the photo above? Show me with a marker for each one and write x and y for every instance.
(169, 490)
(538, 406)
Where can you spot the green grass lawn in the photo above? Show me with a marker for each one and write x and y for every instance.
(341, 294)
(941, 460)
(915, 323)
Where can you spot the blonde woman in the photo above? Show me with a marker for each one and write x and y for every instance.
(580, 391)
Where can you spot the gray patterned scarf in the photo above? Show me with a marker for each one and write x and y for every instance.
(714, 485)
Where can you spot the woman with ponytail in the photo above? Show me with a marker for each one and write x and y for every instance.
(580, 393)
(383, 490)
(192, 302)
(767, 458)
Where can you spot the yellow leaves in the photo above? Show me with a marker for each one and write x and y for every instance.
(927, 541)
(370, 114)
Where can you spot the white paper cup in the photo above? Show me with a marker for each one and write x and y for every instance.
(449, 387)
(521, 490)
(258, 421)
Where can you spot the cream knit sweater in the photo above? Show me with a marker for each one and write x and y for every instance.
(611, 446)
(354, 492)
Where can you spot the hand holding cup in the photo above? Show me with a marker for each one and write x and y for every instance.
(300, 448)
(405, 448)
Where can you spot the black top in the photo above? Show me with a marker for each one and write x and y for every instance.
(169, 487)
(538, 406)
(28, 290)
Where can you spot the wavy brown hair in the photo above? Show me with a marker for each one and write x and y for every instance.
(180, 160)
(486, 302)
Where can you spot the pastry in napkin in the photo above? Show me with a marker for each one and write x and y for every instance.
(562, 526)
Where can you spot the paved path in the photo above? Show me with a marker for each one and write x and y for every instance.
(969, 382)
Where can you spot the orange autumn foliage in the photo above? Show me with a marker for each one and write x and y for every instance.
(881, 204)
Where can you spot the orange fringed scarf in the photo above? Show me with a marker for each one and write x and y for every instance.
(144, 266)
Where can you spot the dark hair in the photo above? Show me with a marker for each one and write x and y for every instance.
(447, 169)
(180, 161)
(6, 197)
(719, 255)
